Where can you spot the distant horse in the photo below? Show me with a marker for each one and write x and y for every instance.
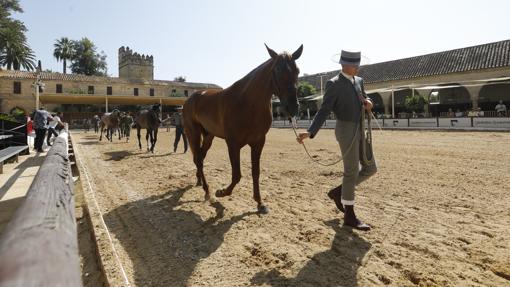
(241, 114)
(148, 119)
(110, 122)
(125, 125)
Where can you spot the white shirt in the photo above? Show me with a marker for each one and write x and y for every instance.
(500, 108)
(348, 77)
(54, 122)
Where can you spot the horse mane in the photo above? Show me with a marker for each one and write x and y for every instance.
(244, 82)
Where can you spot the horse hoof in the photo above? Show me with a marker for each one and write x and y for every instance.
(221, 193)
(262, 209)
(199, 183)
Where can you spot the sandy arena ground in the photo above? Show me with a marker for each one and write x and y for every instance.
(439, 207)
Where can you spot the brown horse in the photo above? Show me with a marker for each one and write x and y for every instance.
(110, 122)
(241, 114)
(148, 119)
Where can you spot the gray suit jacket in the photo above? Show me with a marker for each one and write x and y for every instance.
(341, 98)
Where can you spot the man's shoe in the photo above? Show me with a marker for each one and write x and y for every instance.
(351, 220)
(336, 195)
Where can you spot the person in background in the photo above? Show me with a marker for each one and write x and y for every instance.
(179, 130)
(41, 117)
(30, 132)
(96, 122)
(500, 109)
(52, 126)
(86, 125)
(479, 112)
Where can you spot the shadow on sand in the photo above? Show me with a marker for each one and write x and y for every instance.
(335, 267)
(164, 241)
(118, 155)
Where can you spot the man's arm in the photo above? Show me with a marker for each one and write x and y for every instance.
(329, 100)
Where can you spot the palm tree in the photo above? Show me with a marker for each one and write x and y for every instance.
(14, 51)
(63, 50)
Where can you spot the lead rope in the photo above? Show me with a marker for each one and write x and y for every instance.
(366, 138)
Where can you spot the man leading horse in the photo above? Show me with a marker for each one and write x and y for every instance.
(346, 98)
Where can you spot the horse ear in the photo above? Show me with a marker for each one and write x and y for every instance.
(272, 53)
(298, 52)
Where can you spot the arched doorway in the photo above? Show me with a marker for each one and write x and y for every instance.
(455, 98)
(492, 93)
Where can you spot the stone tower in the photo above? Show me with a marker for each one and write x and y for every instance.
(135, 66)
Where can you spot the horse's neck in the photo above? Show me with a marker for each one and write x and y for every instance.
(256, 86)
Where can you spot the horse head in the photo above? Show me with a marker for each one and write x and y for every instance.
(115, 113)
(284, 78)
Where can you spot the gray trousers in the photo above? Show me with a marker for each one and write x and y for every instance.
(350, 142)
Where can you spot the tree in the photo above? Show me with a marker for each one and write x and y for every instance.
(14, 50)
(415, 103)
(63, 51)
(180, 79)
(305, 89)
(86, 60)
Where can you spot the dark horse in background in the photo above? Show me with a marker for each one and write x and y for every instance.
(110, 122)
(148, 119)
(241, 114)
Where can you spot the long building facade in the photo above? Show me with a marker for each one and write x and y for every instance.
(460, 79)
(71, 92)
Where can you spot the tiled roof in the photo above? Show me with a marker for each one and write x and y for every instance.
(83, 78)
(486, 56)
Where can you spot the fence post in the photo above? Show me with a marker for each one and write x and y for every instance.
(39, 246)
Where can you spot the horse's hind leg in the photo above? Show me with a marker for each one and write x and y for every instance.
(206, 144)
(256, 151)
(194, 136)
(234, 152)
(138, 135)
(147, 139)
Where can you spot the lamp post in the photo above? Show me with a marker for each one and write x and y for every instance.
(38, 84)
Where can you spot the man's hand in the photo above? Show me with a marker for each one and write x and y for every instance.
(302, 136)
(368, 104)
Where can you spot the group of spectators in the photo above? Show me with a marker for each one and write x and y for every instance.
(475, 112)
(500, 108)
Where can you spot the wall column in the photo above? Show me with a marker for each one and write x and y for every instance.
(386, 98)
(474, 94)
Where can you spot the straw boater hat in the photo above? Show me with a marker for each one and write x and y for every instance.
(350, 58)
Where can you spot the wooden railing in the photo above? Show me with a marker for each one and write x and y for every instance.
(39, 246)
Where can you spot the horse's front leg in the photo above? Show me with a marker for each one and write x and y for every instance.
(234, 151)
(256, 151)
(101, 135)
(154, 140)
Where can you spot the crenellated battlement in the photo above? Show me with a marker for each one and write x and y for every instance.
(133, 65)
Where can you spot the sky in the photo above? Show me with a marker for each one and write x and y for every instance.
(221, 41)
